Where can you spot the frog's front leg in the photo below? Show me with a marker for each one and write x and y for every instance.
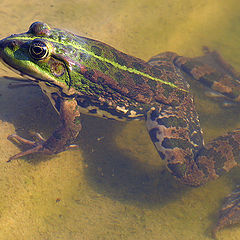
(61, 138)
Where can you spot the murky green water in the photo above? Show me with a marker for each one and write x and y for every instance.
(115, 186)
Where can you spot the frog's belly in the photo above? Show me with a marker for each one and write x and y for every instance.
(86, 107)
(119, 113)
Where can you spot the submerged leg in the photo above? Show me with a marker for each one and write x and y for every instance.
(214, 72)
(61, 138)
(210, 70)
(230, 212)
(176, 134)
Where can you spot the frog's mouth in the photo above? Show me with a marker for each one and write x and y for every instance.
(9, 63)
(62, 89)
(29, 77)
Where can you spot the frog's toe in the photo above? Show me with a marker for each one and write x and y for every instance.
(18, 139)
(230, 212)
(35, 146)
(40, 145)
(38, 148)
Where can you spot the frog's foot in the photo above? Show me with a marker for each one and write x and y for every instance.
(35, 146)
(230, 212)
(221, 62)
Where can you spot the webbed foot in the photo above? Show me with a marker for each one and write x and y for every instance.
(37, 146)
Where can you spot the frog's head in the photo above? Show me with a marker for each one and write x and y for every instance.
(40, 54)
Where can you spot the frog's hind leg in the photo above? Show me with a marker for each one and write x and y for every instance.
(230, 211)
(177, 136)
(214, 72)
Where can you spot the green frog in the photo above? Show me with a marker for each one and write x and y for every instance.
(82, 75)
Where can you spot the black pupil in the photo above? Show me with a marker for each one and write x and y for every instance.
(37, 50)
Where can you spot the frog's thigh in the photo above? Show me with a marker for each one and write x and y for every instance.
(176, 136)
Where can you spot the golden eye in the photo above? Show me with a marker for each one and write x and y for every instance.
(38, 50)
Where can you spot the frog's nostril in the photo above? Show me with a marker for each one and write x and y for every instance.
(12, 44)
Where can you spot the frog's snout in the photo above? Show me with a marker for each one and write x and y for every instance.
(6, 43)
(1, 46)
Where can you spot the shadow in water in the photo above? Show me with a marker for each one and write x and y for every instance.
(115, 173)
(110, 171)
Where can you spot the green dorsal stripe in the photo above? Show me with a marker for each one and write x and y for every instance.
(117, 65)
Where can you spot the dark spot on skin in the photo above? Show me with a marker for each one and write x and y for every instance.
(119, 76)
(83, 56)
(12, 44)
(137, 79)
(156, 72)
(178, 169)
(57, 101)
(162, 155)
(100, 80)
(167, 90)
(109, 65)
(172, 122)
(154, 114)
(152, 84)
(88, 74)
(22, 52)
(138, 66)
(101, 65)
(96, 50)
(57, 136)
(83, 103)
(118, 59)
(93, 111)
(153, 134)
(206, 81)
(171, 143)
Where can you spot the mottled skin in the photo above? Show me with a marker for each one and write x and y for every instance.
(81, 75)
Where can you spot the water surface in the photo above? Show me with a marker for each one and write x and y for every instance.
(114, 186)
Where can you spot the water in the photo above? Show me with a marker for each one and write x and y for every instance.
(114, 186)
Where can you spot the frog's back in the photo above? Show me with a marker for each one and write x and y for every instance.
(132, 77)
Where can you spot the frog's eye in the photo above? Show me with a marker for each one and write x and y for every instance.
(38, 50)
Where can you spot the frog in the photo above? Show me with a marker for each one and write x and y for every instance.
(80, 75)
